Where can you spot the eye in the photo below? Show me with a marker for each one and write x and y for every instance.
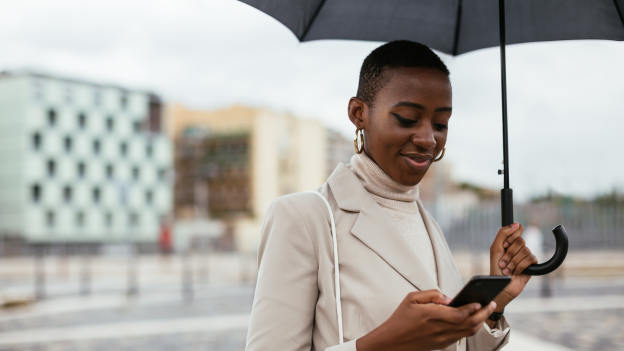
(440, 126)
(406, 122)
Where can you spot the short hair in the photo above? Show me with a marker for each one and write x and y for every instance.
(395, 54)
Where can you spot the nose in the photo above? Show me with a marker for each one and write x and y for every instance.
(423, 138)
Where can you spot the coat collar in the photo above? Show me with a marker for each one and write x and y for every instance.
(377, 231)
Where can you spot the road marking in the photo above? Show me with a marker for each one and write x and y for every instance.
(519, 341)
(126, 329)
(565, 304)
(88, 303)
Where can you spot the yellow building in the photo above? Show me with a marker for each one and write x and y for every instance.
(245, 157)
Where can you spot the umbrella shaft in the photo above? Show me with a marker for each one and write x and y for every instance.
(506, 192)
(501, 19)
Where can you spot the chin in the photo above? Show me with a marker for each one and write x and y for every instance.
(410, 178)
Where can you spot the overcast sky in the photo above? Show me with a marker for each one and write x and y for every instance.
(566, 99)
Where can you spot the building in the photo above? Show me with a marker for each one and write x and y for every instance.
(231, 164)
(81, 162)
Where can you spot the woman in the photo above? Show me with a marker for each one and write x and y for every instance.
(395, 268)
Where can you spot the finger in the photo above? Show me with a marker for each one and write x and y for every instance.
(512, 251)
(455, 315)
(477, 318)
(503, 233)
(529, 260)
(510, 239)
(519, 257)
(428, 296)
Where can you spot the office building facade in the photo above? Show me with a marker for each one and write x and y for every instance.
(81, 162)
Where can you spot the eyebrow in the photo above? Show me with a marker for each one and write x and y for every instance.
(421, 107)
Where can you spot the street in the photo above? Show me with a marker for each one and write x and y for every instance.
(585, 314)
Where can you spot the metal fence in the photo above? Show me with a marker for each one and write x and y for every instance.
(589, 226)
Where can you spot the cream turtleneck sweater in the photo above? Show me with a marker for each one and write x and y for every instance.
(399, 203)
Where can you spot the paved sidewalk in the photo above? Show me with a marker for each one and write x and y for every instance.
(519, 341)
(96, 323)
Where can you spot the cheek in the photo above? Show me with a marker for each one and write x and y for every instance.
(440, 139)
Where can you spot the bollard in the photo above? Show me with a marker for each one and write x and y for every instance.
(187, 277)
(85, 274)
(133, 284)
(204, 266)
(40, 280)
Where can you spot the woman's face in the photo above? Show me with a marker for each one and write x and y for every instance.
(408, 125)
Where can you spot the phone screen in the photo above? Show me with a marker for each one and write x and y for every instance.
(482, 289)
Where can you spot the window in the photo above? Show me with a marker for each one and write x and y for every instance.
(51, 168)
(82, 168)
(108, 219)
(137, 126)
(109, 171)
(82, 121)
(36, 140)
(35, 192)
(38, 89)
(96, 195)
(110, 124)
(96, 147)
(51, 117)
(69, 94)
(149, 197)
(162, 174)
(123, 101)
(97, 97)
(50, 219)
(149, 150)
(136, 173)
(80, 219)
(133, 219)
(67, 194)
(68, 144)
(123, 149)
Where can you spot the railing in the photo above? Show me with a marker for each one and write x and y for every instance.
(589, 226)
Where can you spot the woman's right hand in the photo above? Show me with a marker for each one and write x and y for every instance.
(420, 323)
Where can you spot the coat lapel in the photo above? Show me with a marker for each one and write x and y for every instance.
(376, 230)
(449, 279)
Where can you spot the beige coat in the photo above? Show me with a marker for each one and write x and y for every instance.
(294, 305)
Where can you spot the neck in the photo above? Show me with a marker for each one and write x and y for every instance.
(377, 182)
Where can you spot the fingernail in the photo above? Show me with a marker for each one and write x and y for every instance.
(514, 225)
(506, 271)
(503, 264)
(494, 304)
(505, 244)
(477, 307)
(515, 271)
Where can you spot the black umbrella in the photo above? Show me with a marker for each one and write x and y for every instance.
(456, 27)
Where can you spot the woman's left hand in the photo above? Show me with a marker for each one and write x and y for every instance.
(510, 256)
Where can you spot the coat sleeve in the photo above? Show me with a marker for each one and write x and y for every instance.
(487, 339)
(287, 289)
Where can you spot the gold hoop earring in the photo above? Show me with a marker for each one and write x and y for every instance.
(357, 144)
(441, 156)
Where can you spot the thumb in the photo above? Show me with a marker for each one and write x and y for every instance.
(497, 248)
(429, 296)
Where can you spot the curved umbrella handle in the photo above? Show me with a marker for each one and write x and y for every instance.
(561, 250)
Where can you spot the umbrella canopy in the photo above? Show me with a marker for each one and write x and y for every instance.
(456, 27)
(450, 26)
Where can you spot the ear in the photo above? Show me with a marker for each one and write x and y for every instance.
(358, 113)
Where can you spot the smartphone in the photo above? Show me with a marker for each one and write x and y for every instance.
(482, 289)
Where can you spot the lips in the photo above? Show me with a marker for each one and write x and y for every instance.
(417, 162)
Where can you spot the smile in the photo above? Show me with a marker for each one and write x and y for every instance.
(417, 163)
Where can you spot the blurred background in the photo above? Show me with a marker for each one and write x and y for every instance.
(141, 143)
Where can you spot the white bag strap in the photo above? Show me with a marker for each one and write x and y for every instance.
(336, 270)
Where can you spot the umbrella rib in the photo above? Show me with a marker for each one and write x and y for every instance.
(619, 11)
(457, 27)
(312, 20)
